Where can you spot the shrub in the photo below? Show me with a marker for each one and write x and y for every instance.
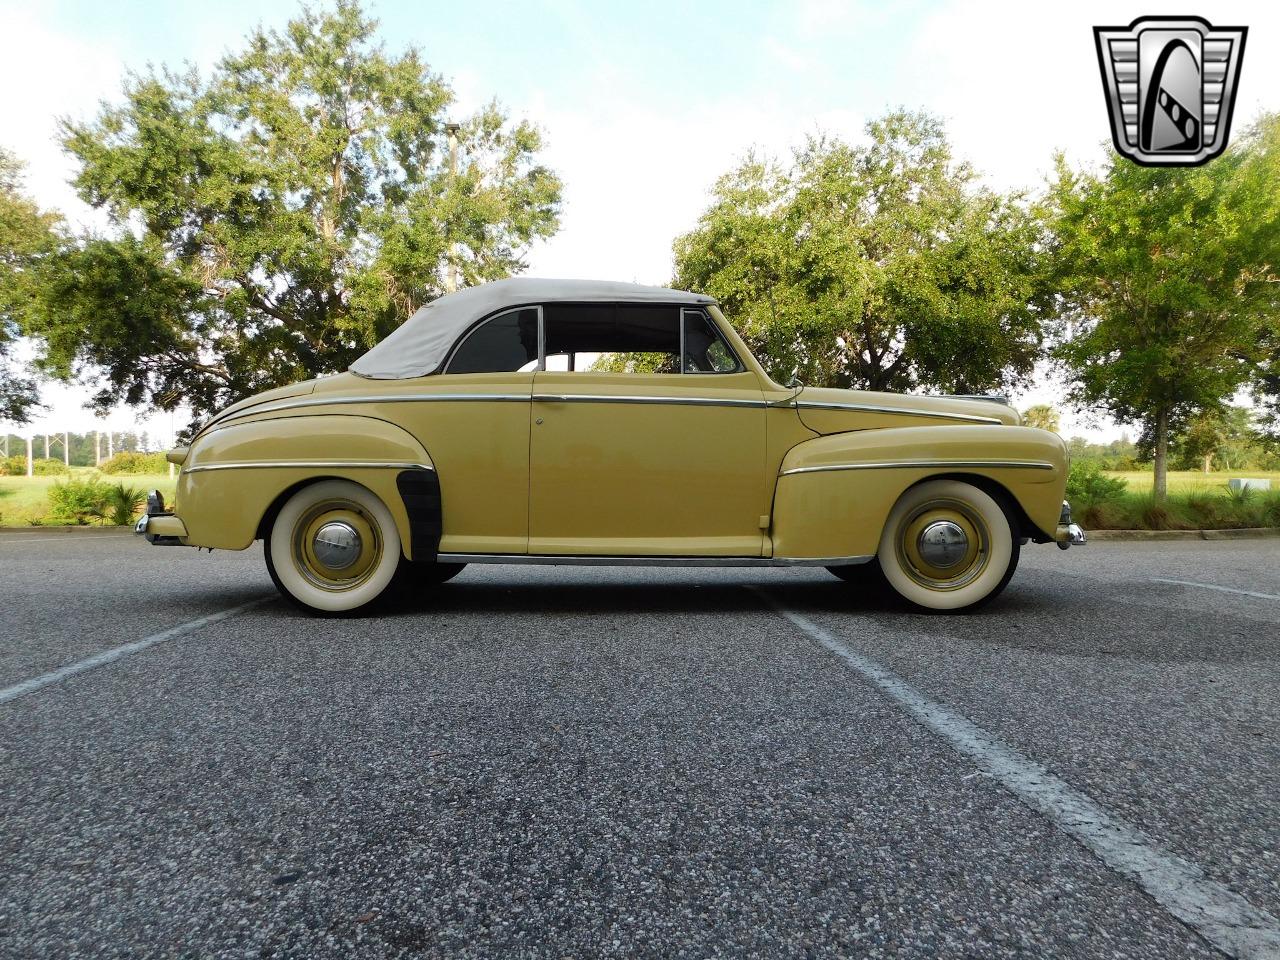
(79, 500)
(1087, 484)
(123, 504)
(16, 466)
(131, 462)
(48, 467)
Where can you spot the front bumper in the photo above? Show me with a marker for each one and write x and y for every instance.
(1069, 534)
(159, 526)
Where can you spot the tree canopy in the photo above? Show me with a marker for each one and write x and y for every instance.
(881, 265)
(26, 235)
(1167, 277)
(274, 220)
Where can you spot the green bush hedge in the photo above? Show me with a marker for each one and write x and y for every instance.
(15, 466)
(129, 462)
(80, 500)
(1197, 510)
(1087, 485)
(48, 467)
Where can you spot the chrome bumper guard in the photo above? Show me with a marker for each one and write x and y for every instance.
(1069, 534)
(155, 508)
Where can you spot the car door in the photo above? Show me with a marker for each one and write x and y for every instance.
(473, 420)
(639, 446)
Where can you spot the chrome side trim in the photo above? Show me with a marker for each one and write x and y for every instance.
(607, 561)
(989, 397)
(491, 398)
(312, 465)
(669, 401)
(911, 464)
(904, 411)
(381, 398)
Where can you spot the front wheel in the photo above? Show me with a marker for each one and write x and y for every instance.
(333, 547)
(948, 545)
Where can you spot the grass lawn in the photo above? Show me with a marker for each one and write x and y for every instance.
(25, 499)
(1188, 481)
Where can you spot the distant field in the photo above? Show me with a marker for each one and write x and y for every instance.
(1186, 481)
(24, 499)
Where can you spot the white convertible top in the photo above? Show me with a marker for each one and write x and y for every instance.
(420, 344)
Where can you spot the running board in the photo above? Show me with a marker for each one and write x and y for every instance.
(608, 561)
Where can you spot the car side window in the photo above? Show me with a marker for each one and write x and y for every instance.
(612, 338)
(705, 349)
(506, 343)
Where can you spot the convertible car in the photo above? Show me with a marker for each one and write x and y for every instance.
(548, 421)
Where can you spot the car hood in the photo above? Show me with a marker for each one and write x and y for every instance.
(829, 410)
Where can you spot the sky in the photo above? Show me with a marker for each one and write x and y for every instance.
(644, 105)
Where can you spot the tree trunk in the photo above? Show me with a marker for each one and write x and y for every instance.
(1208, 458)
(1162, 455)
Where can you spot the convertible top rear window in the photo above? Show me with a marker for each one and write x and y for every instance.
(505, 343)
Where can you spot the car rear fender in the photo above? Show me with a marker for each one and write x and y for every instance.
(236, 477)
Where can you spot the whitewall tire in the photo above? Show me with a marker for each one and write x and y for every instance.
(333, 547)
(947, 545)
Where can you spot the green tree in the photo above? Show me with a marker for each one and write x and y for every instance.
(279, 217)
(26, 235)
(1200, 439)
(1226, 435)
(1168, 282)
(882, 266)
(1042, 415)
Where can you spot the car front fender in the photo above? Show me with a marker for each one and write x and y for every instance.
(834, 493)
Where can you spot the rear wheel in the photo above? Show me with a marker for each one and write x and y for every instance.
(333, 547)
(948, 545)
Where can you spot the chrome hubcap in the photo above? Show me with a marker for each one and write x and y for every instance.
(336, 545)
(942, 544)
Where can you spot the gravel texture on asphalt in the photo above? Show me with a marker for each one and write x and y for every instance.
(619, 762)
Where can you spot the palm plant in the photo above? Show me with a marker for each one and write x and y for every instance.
(122, 504)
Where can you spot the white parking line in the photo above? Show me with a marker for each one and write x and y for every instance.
(1214, 586)
(1221, 916)
(116, 653)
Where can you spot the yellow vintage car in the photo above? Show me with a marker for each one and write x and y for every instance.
(549, 421)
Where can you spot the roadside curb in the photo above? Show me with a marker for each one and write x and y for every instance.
(1243, 533)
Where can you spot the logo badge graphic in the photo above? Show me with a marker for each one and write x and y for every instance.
(1170, 84)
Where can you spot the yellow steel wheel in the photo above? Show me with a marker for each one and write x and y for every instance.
(336, 544)
(947, 545)
(943, 544)
(333, 547)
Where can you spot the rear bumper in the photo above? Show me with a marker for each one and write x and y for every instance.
(1069, 534)
(160, 527)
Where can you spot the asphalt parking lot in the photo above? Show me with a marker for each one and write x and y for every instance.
(584, 761)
